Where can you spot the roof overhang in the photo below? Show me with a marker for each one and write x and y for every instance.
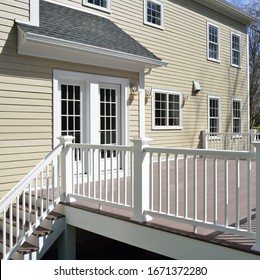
(58, 49)
(228, 10)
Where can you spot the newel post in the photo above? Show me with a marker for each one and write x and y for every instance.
(66, 168)
(256, 247)
(204, 140)
(252, 139)
(141, 180)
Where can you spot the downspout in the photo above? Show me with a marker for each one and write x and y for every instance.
(248, 78)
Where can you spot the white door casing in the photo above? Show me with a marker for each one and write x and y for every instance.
(93, 108)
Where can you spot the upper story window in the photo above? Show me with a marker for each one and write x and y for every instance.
(153, 13)
(235, 50)
(214, 114)
(166, 109)
(213, 42)
(236, 116)
(99, 4)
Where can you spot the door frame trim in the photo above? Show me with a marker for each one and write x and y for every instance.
(90, 82)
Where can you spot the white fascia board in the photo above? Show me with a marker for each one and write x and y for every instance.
(228, 10)
(59, 49)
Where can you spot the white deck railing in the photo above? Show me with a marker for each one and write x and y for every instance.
(229, 141)
(202, 188)
(103, 174)
(211, 189)
(29, 202)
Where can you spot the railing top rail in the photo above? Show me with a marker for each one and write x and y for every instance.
(5, 201)
(203, 152)
(227, 133)
(101, 147)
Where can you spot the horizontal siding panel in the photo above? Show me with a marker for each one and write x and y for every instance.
(26, 81)
(25, 108)
(22, 150)
(27, 143)
(26, 136)
(23, 157)
(26, 95)
(25, 102)
(25, 115)
(26, 88)
(24, 129)
(18, 164)
(26, 122)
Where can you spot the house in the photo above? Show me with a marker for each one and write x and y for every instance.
(188, 59)
(108, 71)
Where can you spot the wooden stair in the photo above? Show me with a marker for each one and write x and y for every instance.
(41, 238)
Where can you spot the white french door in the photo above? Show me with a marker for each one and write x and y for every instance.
(93, 109)
(109, 116)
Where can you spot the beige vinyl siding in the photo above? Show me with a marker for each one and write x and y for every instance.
(26, 100)
(183, 44)
(26, 93)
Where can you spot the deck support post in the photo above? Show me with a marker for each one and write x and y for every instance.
(66, 168)
(141, 180)
(67, 244)
(256, 247)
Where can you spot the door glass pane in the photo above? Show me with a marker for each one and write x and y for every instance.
(108, 116)
(70, 111)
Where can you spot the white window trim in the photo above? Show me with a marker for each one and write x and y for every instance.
(162, 14)
(154, 127)
(209, 58)
(231, 49)
(239, 100)
(219, 112)
(107, 9)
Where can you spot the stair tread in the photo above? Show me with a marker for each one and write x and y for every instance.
(42, 231)
(27, 248)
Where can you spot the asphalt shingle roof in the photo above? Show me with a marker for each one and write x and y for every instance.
(61, 22)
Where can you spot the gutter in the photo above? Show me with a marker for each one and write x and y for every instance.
(32, 38)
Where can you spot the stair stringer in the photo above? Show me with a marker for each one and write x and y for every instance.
(44, 242)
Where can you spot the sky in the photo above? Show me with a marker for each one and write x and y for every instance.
(244, 2)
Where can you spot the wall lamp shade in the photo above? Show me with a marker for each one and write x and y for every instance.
(196, 86)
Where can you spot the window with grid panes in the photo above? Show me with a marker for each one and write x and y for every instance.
(213, 42)
(104, 4)
(214, 115)
(153, 13)
(236, 117)
(167, 110)
(235, 53)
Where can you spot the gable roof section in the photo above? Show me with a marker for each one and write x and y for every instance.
(75, 29)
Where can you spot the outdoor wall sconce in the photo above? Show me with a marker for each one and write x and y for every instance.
(134, 90)
(148, 94)
(185, 97)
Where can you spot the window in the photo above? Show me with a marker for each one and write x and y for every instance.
(213, 42)
(167, 109)
(235, 50)
(153, 13)
(99, 4)
(214, 109)
(236, 116)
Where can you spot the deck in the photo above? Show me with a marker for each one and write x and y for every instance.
(215, 197)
